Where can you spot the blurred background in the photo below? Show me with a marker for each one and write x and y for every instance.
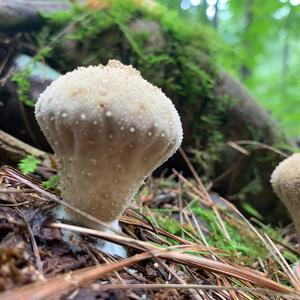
(262, 49)
(201, 53)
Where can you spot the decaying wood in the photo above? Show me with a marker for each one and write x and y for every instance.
(13, 150)
(25, 15)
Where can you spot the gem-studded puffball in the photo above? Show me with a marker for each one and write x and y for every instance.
(285, 181)
(109, 129)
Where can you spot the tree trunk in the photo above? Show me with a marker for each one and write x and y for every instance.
(216, 16)
(245, 72)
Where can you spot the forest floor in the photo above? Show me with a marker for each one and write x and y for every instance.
(182, 243)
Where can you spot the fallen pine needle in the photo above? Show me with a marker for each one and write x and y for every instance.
(236, 271)
(187, 286)
(55, 287)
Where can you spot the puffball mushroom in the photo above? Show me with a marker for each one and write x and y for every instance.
(285, 181)
(109, 128)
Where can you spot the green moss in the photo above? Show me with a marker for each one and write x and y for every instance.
(21, 78)
(179, 65)
(242, 244)
(290, 257)
(169, 224)
(244, 247)
(183, 64)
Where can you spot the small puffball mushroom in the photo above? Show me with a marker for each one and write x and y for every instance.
(285, 181)
(109, 129)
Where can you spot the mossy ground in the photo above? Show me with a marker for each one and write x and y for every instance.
(243, 246)
(183, 66)
(169, 215)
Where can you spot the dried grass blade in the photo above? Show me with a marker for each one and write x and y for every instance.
(219, 267)
(285, 266)
(25, 180)
(158, 230)
(194, 286)
(239, 272)
(260, 145)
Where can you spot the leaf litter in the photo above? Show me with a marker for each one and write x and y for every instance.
(181, 243)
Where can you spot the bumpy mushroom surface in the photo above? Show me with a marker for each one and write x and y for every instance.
(285, 181)
(110, 129)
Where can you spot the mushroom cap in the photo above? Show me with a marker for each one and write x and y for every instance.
(110, 129)
(285, 182)
(285, 179)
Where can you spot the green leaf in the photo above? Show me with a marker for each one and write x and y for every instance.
(52, 183)
(252, 211)
(28, 164)
(21, 78)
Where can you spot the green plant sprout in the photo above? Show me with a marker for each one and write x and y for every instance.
(52, 183)
(29, 164)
